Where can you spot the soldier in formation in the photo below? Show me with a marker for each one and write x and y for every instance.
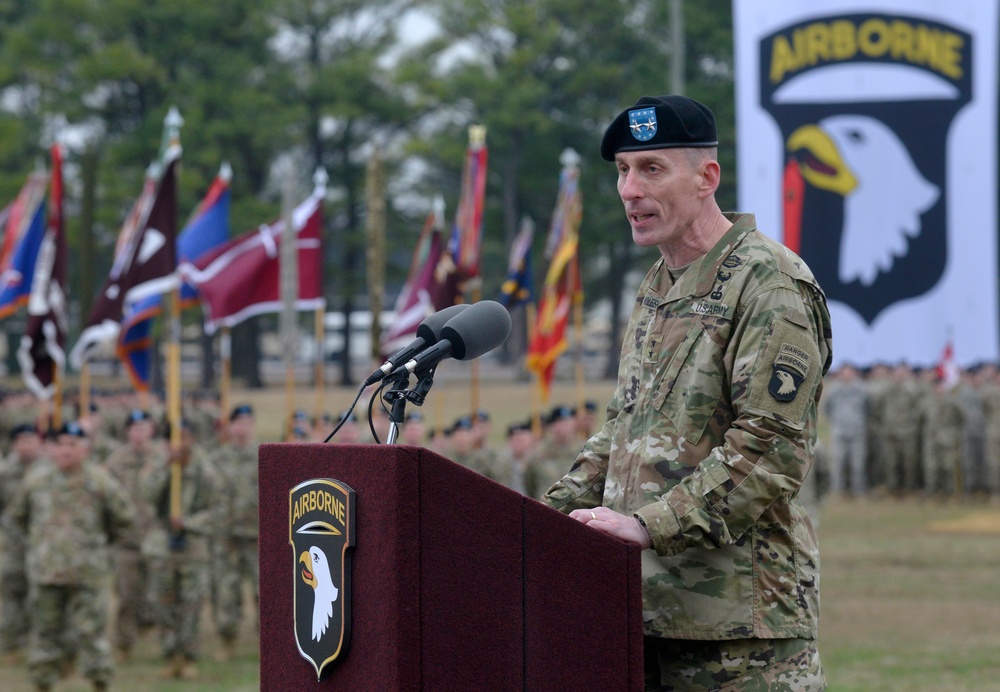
(235, 543)
(70, 513)
(177, 548)
(126, 463)
(25, 455)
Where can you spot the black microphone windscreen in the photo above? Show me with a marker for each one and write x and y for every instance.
(430, 329)
(485, 326)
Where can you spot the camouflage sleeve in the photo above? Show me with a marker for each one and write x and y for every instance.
(16, 516)
(154, 482)
(119, 510)
(583, 486)
(779, 355)
(204, 515)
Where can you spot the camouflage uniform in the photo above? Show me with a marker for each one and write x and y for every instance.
(708, 437)
(69, 520)
(973, 436)
(901, 436)
(178, 562)
(990, 392)
(486, 463)
(131, 569)
(846, 407)
(13, 577)
(548, 464)
(943, 420)
(234, 558)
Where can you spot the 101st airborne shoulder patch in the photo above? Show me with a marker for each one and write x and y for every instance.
(788, 371)
(321, 531)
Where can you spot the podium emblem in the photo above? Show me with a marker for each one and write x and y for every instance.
(321, 531)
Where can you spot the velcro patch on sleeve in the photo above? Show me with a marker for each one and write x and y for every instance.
(783, 383)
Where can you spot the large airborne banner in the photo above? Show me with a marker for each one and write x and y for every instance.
(867, 143)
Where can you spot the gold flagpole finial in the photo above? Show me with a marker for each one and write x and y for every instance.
(477, 136)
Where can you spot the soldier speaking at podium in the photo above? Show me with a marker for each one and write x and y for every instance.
(711, 429)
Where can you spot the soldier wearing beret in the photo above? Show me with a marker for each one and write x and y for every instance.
(711, 428)
(71, 512)
(555, 454)
(235, 544)
(25, 450)
(126, 464)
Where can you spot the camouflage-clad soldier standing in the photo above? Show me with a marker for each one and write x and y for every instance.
(554, 455)
(178, 552)
(711, 428)
(235, 546)
(483, 461)
(846, 407)
(989, 389)
(973, 433)
(26, 449)
(131, 570)
(900, 438)
(70, 512)
(943, 420)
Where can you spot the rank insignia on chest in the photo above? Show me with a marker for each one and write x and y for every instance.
(321, 531)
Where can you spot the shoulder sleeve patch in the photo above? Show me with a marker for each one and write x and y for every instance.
(785, 376)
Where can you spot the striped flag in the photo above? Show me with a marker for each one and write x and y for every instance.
(562, 281)
(41, 353)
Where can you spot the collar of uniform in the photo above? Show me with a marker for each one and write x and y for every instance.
(699, 278)
(707, 268)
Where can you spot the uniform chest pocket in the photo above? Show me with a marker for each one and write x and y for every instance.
(691, 384)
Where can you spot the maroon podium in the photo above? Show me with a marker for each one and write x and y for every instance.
(457, 583)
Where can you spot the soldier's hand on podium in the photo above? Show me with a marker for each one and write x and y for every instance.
(614, 524)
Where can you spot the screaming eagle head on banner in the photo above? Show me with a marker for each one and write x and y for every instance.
(864, 173)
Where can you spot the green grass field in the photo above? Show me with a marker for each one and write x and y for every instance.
(910, 589)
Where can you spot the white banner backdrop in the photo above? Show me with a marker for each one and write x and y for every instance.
(867, 142)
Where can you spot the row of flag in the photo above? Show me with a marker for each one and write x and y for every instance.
(231, 278)
(439, 269)
(236, 278)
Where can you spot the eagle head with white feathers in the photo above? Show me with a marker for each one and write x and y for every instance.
(861, 159)
(316, 573)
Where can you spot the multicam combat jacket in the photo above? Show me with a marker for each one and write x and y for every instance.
(709, 435)
(237, 471)
(69, 520)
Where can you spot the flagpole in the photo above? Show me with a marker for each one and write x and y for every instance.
(225, 379)
(85, 389)
(173, 122)
(319, 328)
(289, 285)
(174, 401)
(578, 328)
(477, 140)
(57, 397)
(531, 315)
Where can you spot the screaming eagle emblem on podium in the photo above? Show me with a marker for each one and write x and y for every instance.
(321, 531)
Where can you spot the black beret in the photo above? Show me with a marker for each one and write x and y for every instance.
(24, 429)
(136, 415)
(241, 410)
(463, 423)
(72, 428)
(518, 427)
(559, 413)
(660, 122)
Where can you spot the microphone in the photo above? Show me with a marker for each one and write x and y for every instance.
(428, 334)
(468, 335)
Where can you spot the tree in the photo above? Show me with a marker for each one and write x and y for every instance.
(334, 50)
